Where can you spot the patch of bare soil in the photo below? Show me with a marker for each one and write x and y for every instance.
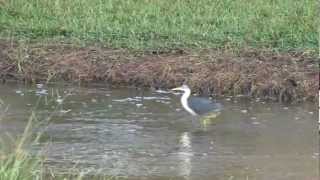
(257, 73)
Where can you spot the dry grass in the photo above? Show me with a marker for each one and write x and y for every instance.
(256, 73)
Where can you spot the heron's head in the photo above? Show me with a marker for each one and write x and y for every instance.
(183, 88)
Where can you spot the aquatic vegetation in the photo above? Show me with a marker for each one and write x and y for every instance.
(15, 163)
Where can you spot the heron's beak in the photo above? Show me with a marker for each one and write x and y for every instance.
(176, 89)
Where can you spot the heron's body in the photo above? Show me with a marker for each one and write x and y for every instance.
(197, 105)
(203, 105)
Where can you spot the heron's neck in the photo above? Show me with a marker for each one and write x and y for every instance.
(186, 95)
(184, 102)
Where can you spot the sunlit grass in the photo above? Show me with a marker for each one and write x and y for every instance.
(145, 24)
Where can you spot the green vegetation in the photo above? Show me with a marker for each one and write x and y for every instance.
(15, 163)
(18, 166)
(149, 24)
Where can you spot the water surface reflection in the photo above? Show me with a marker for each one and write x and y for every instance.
(135, 134)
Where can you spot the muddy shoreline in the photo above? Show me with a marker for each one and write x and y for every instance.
(289, 76)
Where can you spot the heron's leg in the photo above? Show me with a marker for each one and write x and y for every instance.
(209, 119)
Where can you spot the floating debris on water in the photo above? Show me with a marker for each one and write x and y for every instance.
(162, 91)
(40, 86)
(139, 105)
(19, 92)
(131, 130)
(42, 92)
(152, 98)
(59, 100)
(244, 111)
(163, 102)
(240, 95)
(285, 108)
(256, 123)
(315, 155)
(139, 98)
(126, 100)
(65, 111)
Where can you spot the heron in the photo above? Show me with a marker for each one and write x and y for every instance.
(197, 105)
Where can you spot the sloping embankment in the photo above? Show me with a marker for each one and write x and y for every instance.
(257, 73)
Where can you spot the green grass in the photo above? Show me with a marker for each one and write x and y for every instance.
(15, 163)
(146, 24)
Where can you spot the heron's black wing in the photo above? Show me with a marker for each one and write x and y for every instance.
(203, 105)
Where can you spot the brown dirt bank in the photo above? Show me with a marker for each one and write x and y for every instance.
(256, 73)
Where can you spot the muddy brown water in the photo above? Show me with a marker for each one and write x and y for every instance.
(146, 134)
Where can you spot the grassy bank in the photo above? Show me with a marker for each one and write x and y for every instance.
(150, 24)
(284, 76)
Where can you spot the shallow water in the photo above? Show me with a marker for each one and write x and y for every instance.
(134, 133)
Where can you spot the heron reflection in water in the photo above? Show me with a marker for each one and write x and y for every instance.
(199, 105)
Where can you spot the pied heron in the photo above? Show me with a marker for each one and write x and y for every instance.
(197, 105)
